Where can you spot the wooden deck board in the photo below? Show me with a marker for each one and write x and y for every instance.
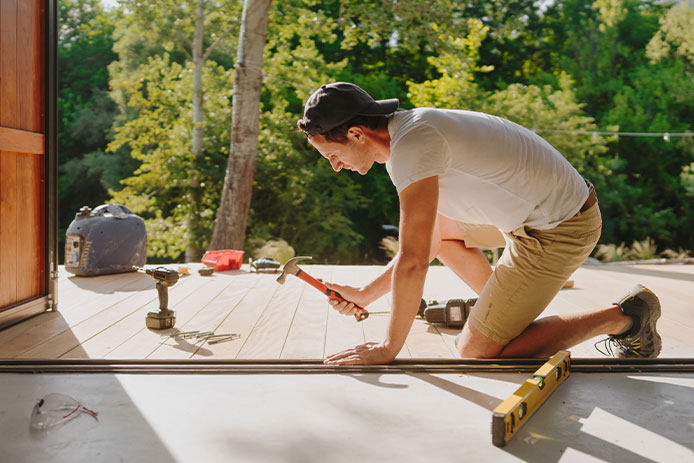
(104, 317)
(307, 332)
(269, 333)
(600, 286)
(75, 335)
(120, 332)
(344, 332)
(143, 343)
(242, 318)
(209, 318)
(16, 339)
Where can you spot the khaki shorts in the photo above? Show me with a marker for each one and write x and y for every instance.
(531, 271)
(482, 236)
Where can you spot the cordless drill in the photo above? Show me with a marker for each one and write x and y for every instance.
(164, 277)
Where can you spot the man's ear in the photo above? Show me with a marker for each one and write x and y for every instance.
(356, 134)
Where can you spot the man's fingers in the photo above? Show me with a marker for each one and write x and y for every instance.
(341, 354)
(333, 286)
(344, 307)
(348, 309)
(363, 354)
(351, 360)
(358, 355)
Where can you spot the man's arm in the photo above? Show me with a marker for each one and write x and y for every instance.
(418, 205)
(381, 285)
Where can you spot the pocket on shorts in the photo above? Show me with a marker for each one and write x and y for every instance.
(584, 223)
(576, 236)
(525, 236)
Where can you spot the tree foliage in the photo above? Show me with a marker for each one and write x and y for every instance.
(160, 137)
(532, 106)
(570, 65)
(85, 110)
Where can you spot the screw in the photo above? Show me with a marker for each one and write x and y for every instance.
(179, 333)
(222, 338)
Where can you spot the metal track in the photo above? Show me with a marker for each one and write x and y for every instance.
(202, 366)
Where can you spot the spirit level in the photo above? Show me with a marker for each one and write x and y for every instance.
(513, 412)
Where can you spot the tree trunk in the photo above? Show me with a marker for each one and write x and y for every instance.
(193, 252)
(230, 228)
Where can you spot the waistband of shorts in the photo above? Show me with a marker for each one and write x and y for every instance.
(592, 197)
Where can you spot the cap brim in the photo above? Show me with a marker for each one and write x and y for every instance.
(381, 107)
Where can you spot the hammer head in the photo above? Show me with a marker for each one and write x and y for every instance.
(291, 268)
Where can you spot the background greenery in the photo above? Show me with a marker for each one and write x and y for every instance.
(125, 92)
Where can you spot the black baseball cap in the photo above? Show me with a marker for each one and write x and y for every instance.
(336, 103)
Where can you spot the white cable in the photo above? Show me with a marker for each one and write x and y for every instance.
(664, 135)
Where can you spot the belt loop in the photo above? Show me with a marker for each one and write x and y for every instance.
(590, 186)
(592, 197)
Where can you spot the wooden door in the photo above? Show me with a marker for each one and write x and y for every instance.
(24, 183)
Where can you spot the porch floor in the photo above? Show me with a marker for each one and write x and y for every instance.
(104, 316)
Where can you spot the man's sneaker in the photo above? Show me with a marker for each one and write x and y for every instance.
(642, 340)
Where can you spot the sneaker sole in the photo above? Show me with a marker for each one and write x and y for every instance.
(653, 319)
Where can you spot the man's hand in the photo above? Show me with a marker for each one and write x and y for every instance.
(371, 353)
(352, 295)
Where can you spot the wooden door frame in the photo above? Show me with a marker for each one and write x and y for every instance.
(48, 301)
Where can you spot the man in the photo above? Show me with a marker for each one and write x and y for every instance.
(461, 176)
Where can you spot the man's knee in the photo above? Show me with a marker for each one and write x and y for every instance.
(472, 343)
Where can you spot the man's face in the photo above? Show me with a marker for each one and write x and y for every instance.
(352, 155)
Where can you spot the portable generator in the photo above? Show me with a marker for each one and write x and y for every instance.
(108, 239)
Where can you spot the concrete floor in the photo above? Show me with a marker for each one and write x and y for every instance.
(347, 418)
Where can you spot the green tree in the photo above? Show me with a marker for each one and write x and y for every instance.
(602, 46)
(195, 28)
(671, 51)
(675, 38)
(159, 138)
(296, 196)
(575, 66)
(529, 105)
(597, 44)
(85, 109)
(232, 214)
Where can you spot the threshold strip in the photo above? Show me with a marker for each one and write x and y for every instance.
(288, 366)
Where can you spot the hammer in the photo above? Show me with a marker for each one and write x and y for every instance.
(292, 268)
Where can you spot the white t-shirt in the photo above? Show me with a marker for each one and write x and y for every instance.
(491, 171)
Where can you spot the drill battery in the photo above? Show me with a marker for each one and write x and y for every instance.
(452, 313)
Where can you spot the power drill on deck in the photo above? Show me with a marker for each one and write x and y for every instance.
(164, 277)
(453, 312)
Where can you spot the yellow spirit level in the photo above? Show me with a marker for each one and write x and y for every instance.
(513, 412)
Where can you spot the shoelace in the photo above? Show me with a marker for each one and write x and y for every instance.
(610, 343)
(607, 345)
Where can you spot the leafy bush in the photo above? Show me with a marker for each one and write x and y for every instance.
(639, 250)
(611, 252)
(680, 253)
(390, 246)
(643, 250)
